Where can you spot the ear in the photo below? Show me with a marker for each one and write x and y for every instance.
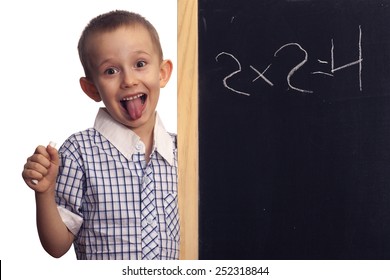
(165, 72)
(89, 88)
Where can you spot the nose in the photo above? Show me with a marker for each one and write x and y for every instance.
(129, 79)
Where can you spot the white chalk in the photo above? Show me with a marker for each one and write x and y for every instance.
(52, 144)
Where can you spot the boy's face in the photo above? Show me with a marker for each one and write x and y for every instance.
(127, 74)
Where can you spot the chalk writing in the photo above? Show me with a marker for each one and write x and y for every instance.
(232, 74)
(262, 74)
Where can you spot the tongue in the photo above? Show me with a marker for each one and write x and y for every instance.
(134, 108)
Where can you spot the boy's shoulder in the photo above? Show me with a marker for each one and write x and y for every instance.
(84, 140)
(82, 137)
(79, 141)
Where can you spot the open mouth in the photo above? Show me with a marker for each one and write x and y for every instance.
(134, 105)
(142, 97)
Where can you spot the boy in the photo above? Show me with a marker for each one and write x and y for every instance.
(112, 190)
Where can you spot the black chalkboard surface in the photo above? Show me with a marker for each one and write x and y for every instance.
(294, 129)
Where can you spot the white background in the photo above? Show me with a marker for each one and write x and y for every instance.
(41, 99)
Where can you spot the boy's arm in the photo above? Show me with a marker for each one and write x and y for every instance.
(55, 237)
(40, 173)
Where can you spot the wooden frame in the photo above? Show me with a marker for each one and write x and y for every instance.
(188, 127)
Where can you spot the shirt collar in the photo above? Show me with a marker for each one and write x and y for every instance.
(126, 141)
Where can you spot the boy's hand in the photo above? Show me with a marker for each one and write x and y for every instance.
(41, 169)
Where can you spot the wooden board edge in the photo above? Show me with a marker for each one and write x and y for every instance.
(188, 127)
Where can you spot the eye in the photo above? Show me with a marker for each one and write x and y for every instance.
(111, 71)
(140, 64)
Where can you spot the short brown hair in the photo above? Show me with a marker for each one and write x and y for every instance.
(111, 21)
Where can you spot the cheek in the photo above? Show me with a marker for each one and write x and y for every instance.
(107, 88)
(153, 79)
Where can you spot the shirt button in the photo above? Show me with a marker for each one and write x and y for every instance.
(150, 221)
(138, 146)
(147, 180)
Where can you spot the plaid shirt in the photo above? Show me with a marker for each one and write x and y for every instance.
(100, 186)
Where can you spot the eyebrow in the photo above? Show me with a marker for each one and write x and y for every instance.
(111, 58)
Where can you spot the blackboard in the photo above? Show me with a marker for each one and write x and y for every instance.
(294, 129)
